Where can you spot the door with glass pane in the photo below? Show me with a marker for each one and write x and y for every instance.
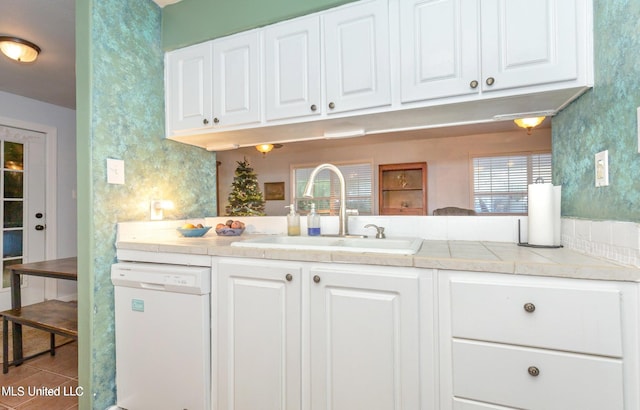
(22, 185)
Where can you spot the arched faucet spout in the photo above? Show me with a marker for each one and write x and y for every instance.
(343, 229)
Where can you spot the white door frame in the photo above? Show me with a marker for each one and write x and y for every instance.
(51, 155)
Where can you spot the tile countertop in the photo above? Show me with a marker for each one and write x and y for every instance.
(497, 257)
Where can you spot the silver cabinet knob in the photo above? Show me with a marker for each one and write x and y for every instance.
(490, 81)
(289, 277)
(316, 279)
(313, 107)
(533, 371)
(332, 105)
(473, 84)
(529, 307)
(216, 120)
(205, 121)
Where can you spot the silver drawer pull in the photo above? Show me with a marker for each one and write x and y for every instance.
(529, 307)
(533, 371)
(316, 279)
(289, 277)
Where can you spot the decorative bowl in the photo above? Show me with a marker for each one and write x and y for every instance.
(194, 232)
(230, 231)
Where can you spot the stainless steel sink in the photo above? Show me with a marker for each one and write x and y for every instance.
(402, 246)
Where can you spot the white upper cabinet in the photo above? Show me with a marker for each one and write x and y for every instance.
(357, 57)
(375, 66)
(456, 47)
(528, 42)
(292, 69)
(439, 48)
(188, 88)
(236, 79)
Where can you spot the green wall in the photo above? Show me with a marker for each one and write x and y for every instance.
(604, 119)
(194, 21)
(120, 115)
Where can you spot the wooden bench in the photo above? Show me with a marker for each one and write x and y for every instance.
(52, 316)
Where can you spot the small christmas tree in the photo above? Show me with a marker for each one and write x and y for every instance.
(245, 198)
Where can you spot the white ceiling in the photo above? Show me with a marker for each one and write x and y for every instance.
(50, 25)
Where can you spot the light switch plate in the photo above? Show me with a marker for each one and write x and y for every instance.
(115, 171)
(602, 168)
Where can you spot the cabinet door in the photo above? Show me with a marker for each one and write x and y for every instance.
(364, 340)
(292, 68)
(439, 48)
(188, 85)
(357, 57)
(259, 336)
(528, 42)
(236, 79)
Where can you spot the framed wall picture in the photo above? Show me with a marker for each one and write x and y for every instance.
(274, 191)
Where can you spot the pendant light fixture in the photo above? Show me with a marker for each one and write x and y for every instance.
(18, 49)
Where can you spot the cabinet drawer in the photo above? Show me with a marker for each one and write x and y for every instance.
(571, 319)
(500, 374)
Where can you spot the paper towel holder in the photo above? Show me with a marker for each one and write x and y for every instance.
(520, 243)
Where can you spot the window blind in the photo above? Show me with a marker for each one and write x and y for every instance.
(500, 182)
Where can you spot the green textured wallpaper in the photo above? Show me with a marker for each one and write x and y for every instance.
(121, 95)
(604, 119)
(194, 21)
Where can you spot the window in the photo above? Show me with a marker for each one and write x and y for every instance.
(500, 182)
(326, 190)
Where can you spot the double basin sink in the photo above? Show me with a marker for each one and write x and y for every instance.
(398, 246)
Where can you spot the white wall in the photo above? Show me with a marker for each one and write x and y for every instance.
(449, 173)
(64, 121)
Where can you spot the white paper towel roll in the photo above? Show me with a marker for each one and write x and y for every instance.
(544, 214)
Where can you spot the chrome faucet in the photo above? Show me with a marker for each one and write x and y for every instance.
(343, 230)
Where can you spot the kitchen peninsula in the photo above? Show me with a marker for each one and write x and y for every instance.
(427, 328)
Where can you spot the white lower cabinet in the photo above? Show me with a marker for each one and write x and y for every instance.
(527, 378)
(327, 336)
(321, 336)
(258, 335)
(537, 343)
(364, 340)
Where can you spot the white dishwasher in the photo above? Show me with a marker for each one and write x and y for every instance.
(162, 329)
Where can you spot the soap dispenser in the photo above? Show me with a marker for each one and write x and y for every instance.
(313, 222)
(293, 221)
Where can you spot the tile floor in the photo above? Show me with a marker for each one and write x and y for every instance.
(45, 382)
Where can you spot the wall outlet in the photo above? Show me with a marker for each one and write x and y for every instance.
(602, 168)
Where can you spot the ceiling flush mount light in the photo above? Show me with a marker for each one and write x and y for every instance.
(264, 148)
(528, 123)
(18, 49)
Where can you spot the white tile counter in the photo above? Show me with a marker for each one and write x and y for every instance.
(478, 256)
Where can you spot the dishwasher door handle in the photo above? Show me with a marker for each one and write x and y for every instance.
(153, 286)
